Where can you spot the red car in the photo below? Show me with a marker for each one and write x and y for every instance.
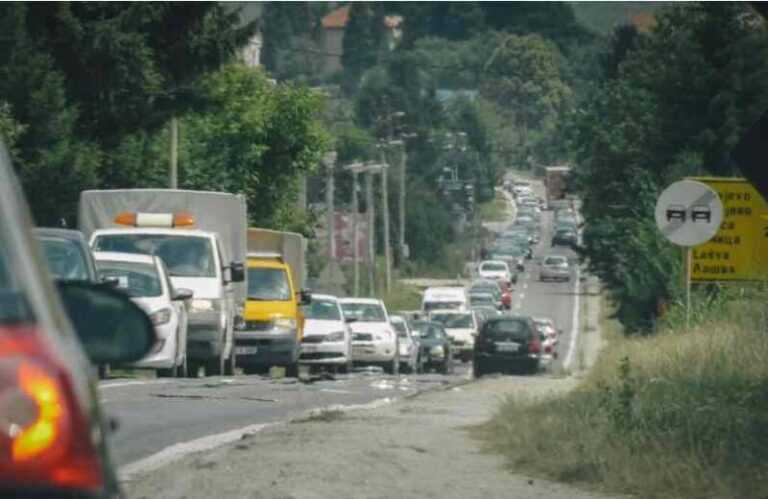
(53, 434)
(506, 295)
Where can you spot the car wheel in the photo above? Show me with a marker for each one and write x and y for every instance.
(193, 368)
(477, 370)
(103, 371)
(215, 367)
(292, 370)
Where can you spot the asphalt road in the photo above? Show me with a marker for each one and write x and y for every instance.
(156, 416)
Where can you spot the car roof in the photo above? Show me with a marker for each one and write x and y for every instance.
(124, 257)
(397, 318)
(493, 261)
(367, 301)
(560, 257)
(449, 311)
(152, 230)
(70, 234)
(325, 297)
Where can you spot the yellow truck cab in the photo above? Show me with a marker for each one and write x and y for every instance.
(273, 325)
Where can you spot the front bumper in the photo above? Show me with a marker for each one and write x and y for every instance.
(205, 334)
(165, 357)
(266, 349)
(553, 274)
(324, 353)
(371, 352)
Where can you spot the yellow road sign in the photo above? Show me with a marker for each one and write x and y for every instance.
(739, 250)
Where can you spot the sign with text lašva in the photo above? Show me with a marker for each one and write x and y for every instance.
(739, 250)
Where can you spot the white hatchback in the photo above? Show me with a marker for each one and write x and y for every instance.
(497, 270)
(373, 338)
(327, 337)
(408, 345)
(462, 327)
(145, 279)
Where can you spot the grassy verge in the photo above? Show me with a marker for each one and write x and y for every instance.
(678, 414)
(494, 210)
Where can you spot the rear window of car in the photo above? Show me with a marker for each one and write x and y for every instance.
(493, 267)
(555, 260)
(507, 329)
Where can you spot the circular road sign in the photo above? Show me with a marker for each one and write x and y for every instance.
(689, 213)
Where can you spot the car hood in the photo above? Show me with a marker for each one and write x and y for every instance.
(315, 327)
(370, 327)
(460, 332)
(203, 288)
(151, 304)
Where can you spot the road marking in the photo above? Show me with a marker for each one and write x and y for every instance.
(175, 452)
(118, 384)
(525, 285)
(521, 296)
(332, 390)
(575, 322)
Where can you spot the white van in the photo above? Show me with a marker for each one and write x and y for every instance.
(445, 298)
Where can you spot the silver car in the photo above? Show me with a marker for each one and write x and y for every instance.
(555, 268)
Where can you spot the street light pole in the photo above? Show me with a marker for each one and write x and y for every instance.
(329, 161)
(371, 232)
(355, 168)
(387, 246)
(173, 173)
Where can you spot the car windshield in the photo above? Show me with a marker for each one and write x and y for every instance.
(267, 284)
(442, 305)
(507, 330)
(493, 267)
(364, 312)
(484, 299)
(555, 261)
(137, 279)
(322, 310)
(184, 256)
(65, 259)
(426, 330)
(400, 328)
(453, 321)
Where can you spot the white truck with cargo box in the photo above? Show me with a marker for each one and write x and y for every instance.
(201, 238)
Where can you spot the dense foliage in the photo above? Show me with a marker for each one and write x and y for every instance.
(673, 103)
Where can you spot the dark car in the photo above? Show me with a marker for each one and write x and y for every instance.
(564, 237)
(507, 344)
(67, 254)
(435, 346)
(69, 259)
(54, 436)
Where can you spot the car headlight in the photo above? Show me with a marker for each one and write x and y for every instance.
(205, 305)
(437, 351)
(335, 336)
(284, 323)
(160, 317)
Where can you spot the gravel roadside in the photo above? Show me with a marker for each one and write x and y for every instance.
(416, 448)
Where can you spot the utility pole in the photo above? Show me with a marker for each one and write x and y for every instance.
(371, 232)
(329, 160)
(385, 212)
(355, 168)
(173, 173)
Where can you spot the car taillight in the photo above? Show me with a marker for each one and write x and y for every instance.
(45, 440)
(534, 346)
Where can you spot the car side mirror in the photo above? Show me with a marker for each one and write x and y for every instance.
(182, 294)
(237, 272)
(305, 297)
(111, 328)
(350, 320)
(112, 282)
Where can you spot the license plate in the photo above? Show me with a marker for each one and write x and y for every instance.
(507, 347)
(309, 348)
(246, 350)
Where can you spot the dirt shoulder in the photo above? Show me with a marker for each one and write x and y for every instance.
(415, 448)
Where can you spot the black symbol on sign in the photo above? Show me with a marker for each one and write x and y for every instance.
(676, 212)
(701, 212)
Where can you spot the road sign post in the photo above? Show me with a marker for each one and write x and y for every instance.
(688, 213)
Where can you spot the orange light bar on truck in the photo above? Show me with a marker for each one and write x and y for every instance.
(181, 219)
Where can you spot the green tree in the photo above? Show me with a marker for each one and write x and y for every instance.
(363, 40)
(653, 123)
(522, 76)
(257, 141)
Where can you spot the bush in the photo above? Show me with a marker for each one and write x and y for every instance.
(678, 414)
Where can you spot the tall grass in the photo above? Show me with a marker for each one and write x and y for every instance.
(680, 414)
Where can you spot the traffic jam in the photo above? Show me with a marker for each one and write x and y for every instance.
(174, 284)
